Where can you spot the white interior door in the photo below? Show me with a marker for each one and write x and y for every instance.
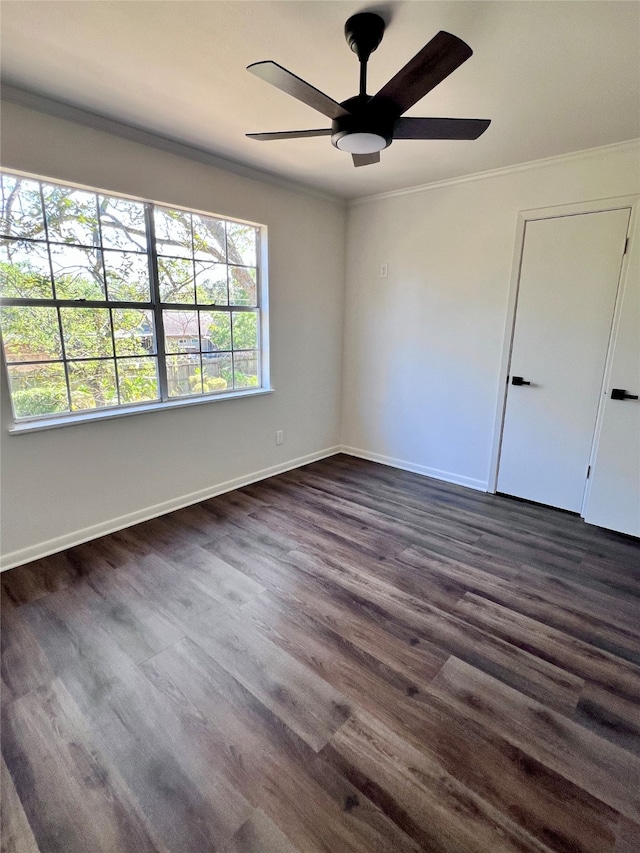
(614, 486)
(566, 297)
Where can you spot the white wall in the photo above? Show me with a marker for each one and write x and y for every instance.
(60, 486)
(423, 346)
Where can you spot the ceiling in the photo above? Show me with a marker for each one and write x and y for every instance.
(554, 77)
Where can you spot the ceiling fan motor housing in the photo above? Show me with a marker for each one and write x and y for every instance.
(362, 119)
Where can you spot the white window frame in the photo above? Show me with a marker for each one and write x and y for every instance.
(49, 421)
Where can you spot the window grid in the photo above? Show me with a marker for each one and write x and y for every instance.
(163, 382)
(154, 306)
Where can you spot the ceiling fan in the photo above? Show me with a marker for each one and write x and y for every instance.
(364, 125)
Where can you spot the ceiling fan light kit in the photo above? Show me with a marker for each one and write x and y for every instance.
(364, 125)
(359, 142)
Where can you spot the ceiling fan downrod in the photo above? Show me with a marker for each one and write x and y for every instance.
(363, 33)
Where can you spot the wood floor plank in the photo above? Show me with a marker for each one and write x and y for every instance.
(171, 592)
(303, 701)
(514, 783)
(24, 666)
(445, 502)
(627, 837)
(201, 519)
(610, 715)
(559, 603)
(556, 811)
(606, 771)
(77, 648)
(41, 577)
(486, 554)
(232, 506)
(6, 695)
(136, 625)
(113, 550)
(259, 835)
(337, 655)
(332, 531)
(548, 588)
(438, 811)
(443, 592)
(165, 761)
(129, 724)
(557, 647)
(15, 832)
(309, 503)
(166, 536)
(218, 579)
(362, 623)
(318, 810)
(618, 610)
(522, 670)
(416, 661)
(426, 624)
(252, 536)
(74, 800)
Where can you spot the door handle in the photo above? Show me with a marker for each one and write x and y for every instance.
(621, 394)
(518, 380)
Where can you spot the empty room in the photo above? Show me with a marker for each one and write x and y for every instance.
(320, 426)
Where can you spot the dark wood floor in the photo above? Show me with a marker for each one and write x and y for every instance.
(342, 658)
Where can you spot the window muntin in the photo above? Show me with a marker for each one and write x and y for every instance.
(108, 302)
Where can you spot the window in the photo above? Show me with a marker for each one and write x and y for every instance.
(110, 303)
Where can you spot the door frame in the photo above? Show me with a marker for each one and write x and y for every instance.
(525, 216)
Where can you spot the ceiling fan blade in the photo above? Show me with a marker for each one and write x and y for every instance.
(440, 128)
(297, 88)
(289, 134)
(366, 159)
(430, 66)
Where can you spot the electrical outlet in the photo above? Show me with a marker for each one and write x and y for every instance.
(384, 270)
(279, 436)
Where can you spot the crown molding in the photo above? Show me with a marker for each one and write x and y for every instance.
(63, 110)
(615, 147)
(95, 121)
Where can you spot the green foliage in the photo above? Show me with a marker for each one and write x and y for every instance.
(22, 281)
(237, 379)
(137, 380)
(217, 326)
(40, 401)
(245, 330)
(210, 384)
(244, 380)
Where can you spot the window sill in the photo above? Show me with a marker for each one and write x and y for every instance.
(108, 414)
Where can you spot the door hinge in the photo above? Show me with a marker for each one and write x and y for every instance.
(588, 472)
(626, 246)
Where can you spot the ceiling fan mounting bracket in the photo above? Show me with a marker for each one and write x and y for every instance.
(363, 33)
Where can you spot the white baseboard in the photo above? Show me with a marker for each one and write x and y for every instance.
(447, 476)
(69, 540)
